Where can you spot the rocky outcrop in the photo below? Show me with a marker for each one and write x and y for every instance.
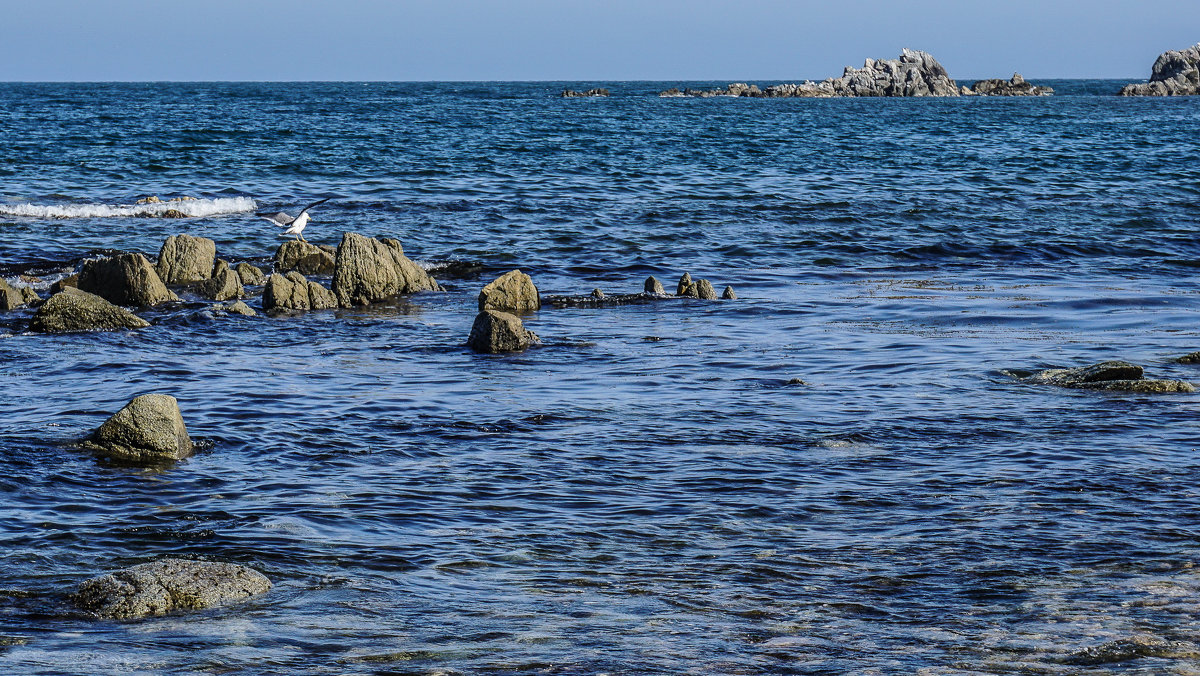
(654, 286)
(225, 284)
(1017, 86)
(168, 585)
(74, 310)
(12, 297)
(1175, 73)
(572, 94)
(293, 292)
(495, 331)
(184, 259)
(915, 73)
(1120, 376)
(305, 258)
(369, 270)
(149, 429)
(249, 275)
(127, 279)
(513, 291)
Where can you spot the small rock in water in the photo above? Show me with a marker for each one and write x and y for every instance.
(168, 585)
(1190, 358)
(686, 286)
(184, 259)
(73, 310)
(705, 290)
(234, 308)
(495, 331)
(597, 293)
(513, 291)
(795, 381)
(1119, 376)
(127, 279)
(654, 286)
(250, 275)
(149, 429)
(729, 294)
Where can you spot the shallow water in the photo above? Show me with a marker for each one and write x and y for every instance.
(646, 493)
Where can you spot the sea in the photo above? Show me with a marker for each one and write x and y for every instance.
(835, 473)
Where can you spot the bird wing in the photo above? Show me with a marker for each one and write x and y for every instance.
(281, 219)
(315, 204)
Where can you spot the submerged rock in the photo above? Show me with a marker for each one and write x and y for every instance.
(654, 286)
(126, 279)
(1175, 73)
(495, 331)
(368, 270)
(1119, 376)
(1189, 358)
(293, 292)
(1017, 86)
(224, 285)
(513, 291)
(149, 429)
(249, 275)
(234, 308)
(305, 258)
(74, 310)
(168, 585)
(184, 259)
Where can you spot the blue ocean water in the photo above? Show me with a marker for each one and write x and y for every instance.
(647, 492)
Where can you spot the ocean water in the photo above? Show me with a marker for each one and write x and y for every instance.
(647, 492)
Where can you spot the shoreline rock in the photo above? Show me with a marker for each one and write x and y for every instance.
(1174, 73)
(149, 429)
(167, 585)
(72, 310)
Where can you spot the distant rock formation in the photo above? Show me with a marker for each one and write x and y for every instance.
(572, 94)
(1017, 86)
(1175, 73)
(915, 73)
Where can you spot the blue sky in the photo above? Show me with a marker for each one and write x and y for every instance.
(577, 40)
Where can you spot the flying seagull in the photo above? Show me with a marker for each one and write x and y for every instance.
(294, 226)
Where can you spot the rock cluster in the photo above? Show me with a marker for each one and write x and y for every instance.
(495, 331)
(367, 270)
(514, 291)
(126, 279)
(149, 429)
(73, 310)
(1017, 86)
(168, 585)
(572, 94)
(1175, 73)
(1120, 376)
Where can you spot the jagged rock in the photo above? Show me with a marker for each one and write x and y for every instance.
(305, 258)
(71, 281)
(369, 270)
(293, 292)
(686, 286)
(1017, 86)
(11, 297)
(249, 275)
(184, 259)
(126, 279)
(572, 94)
(705, 290)
(729, 294)
(234, 308)
(1118, 376)
(1175, 73)
(652, 285)
(149, 429)
(513, 291)
(166, 586)
(495, 331)
(74, 310)
(224, 285)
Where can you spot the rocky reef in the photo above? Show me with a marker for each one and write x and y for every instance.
(1016, 86)
(1175, 73)
(572, 94)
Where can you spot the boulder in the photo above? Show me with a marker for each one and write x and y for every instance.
(167, 585)
(305, 258)
(184, 259)
(729, 294)
(149, 429)
(705, 290)
(1017, 86)
(224, 285)
(686, 286)
(513, 291)
(597, 293)
(74, 310)
(293, 292)
(1175, 73)
(369, 270)
(126, 279)
(495, 331)
(1118, 376)
(249, 275)
(11, 297)
(654, 286)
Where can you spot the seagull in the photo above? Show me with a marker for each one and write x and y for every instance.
(294, 226)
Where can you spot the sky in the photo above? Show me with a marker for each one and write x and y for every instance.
(578, 40)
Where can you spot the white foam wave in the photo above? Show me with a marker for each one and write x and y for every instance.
(193, 208)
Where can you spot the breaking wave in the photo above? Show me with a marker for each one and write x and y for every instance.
(192, 208)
